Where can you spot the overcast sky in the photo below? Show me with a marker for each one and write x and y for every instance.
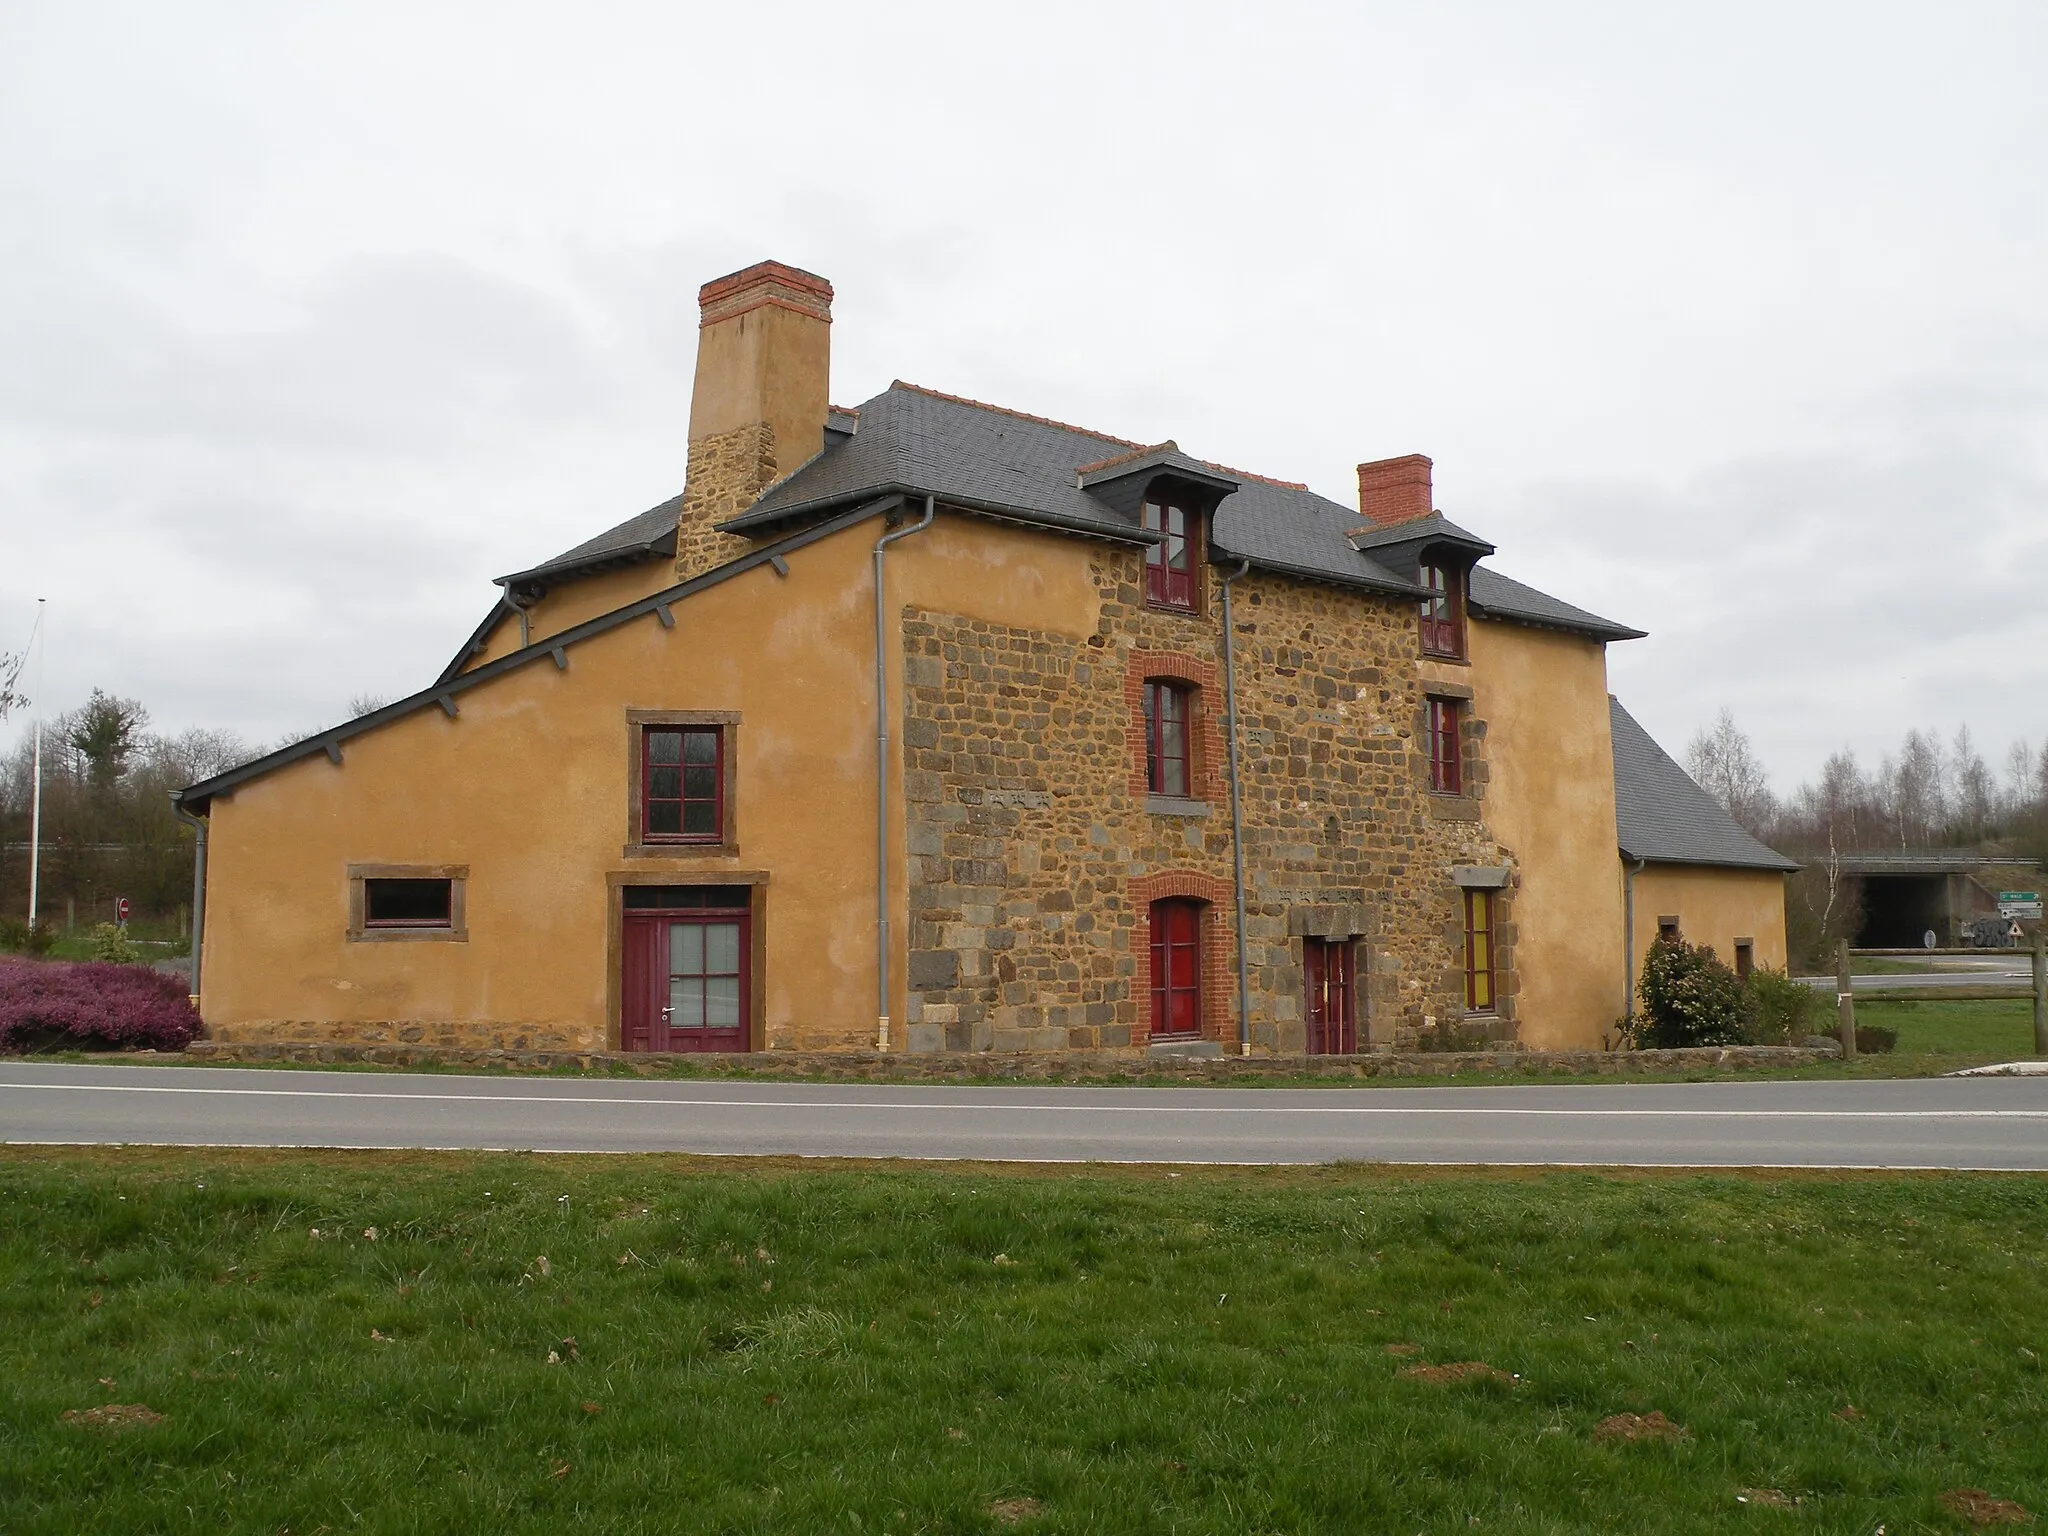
(1727, 321)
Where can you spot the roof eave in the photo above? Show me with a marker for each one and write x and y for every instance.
(1597, 631)
(197, 797)
(748, 523)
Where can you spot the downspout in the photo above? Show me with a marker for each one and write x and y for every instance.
(1628, 936)
(882, 777)
(1244, 986)
(198, 824)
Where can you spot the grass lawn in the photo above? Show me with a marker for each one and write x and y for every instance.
(666, 1344)
(1940, 1035)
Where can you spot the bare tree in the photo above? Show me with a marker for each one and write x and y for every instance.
(1724, 763)
(10, 678)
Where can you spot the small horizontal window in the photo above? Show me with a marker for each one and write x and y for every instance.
(668, 898)
(407, 903)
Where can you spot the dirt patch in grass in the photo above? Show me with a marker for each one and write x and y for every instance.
(1982, 1509)
(1766, 1498)
(1010, 1511)
(1632, 1427)
(1404, 1351)
(113, 1416)
(1456, 1373)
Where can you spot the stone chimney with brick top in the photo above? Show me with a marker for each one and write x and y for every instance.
(1394, 490)
(757, 411)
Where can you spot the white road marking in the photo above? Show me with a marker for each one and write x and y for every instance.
(984, 1106)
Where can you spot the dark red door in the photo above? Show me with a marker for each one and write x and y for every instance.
(1176, 968)
(686, 982)
(1332, 1009)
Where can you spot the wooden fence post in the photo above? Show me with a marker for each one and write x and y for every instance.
(1845, 1001)
(2041, 992)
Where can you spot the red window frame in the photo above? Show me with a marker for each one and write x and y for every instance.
(1443, 611)
(1176, 967)
(1169, 727)
(1446, 755)
(444, 919)
(1480, 960)
(682, 798)
(1170, 564)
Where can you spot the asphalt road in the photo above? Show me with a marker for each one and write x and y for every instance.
(2003, 972)
(1900, 1123)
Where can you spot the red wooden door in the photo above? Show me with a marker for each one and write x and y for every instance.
(686, 986)
(1332, 1008)
(1176, 968)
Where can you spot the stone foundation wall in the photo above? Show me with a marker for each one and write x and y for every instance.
(943, 1066)
(432, 1034)
(1034, 851)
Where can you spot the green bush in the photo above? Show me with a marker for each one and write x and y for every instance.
(1781, 1010)
(1690, 998)
(18, 937)
(112, 945)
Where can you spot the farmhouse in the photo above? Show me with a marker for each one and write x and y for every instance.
(935, 726)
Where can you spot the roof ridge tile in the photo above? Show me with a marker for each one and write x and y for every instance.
(1004, 410)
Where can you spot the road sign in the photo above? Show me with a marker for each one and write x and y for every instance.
(2019, 903)
(121, 910)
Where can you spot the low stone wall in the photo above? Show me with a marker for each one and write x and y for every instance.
(1031, 1066)
(476, 1036)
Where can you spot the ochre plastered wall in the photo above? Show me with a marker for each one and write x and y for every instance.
(573, 603)
(527, 787)
(1713, 906)
(1549, 797)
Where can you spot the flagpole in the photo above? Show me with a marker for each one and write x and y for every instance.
(35, 817)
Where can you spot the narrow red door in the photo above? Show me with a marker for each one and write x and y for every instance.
(686, 985)
(1332, 1010)
(1176, 968)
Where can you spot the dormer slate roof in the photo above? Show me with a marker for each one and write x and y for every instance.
(1029, 469)
(1661, 815)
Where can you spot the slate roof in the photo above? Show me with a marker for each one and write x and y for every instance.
(1496, 596)
(1662, 816)
(651, 533)
(1030, 469)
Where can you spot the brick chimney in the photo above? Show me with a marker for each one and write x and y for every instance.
(757, 410)
(1394, 490)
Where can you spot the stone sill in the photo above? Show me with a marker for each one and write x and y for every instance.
(1051, 1066)
(1174, 805)
(1453, 807)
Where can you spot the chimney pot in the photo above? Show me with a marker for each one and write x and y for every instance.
(1395, 490)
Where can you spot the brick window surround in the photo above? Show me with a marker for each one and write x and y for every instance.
(1205, 719)
(1218, 984)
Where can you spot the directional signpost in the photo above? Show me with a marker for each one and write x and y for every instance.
(2017, 904)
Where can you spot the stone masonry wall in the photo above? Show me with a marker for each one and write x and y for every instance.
(1034, 855)
(728, 470)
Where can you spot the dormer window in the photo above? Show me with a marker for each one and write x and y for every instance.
(1443, 611)
(1170, 564)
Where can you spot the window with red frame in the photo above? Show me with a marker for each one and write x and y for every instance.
(1166, 739)
(682, 784)
(1170, 564)
(1446, 762)
(1479, 959)
(1443, 612)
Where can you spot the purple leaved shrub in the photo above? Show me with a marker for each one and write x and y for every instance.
(48, 1005)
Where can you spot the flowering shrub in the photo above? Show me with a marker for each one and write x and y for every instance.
(1688, 997)
(93, 1006)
